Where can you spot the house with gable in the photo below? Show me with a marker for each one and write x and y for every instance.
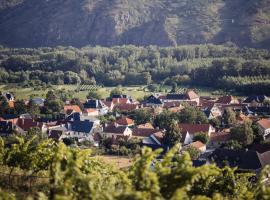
(153, 101)
(125, 121)
(96, 104)
(256, 100)
(113, 131)
(189, 96)
(188, 131)
(264, 127)
(227, 100)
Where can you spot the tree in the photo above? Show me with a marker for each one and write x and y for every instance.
(193, 152)
(164, 119)
(172, 135)
(142, 116)
(229, 117)
(19, 107)
(93, 95)
(233, 144)
(116, 91)
(202, 137)
(4, 107)
(243, 133)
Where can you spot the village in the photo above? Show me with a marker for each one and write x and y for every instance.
(225, 130)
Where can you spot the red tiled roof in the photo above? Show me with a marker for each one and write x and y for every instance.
(146, 125)
(225, 99)
(108, 103)
(143, 132)
(72, 108)
(125, 121)
(126, 107)
(194, 128)
(192, 95)
(114, 129)
(197, 144)
(26, 124)
(11, 104)
(172, 104)
(265, 123)
(120, 100)
(220, 137)
(90, 110)
(159, 136)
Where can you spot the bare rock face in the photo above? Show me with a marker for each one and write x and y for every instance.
(32, 23)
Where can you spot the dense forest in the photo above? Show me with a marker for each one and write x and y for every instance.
(225, 67)
(31, 23)
(42, 169)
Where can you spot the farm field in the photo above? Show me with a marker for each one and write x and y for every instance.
(136, 92)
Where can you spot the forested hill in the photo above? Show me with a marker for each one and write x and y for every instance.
(32, 23)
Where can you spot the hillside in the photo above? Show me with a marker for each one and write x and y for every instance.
(31, 23)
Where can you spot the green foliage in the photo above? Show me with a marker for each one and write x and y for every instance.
(116, 91)
(93, 95)
(193, 152)
(172, 135)
(74, 174)
(223, 67)
(229, 117)
(202, 137)
(142, 116)
(243, 133)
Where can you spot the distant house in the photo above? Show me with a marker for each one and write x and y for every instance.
(98, 105)
(109, 104)
(256, 100)
(249, 160)
(189, 96)
(212, 112)
(115, 131)
(69, 109)
(81, 130)
(143, 132)
(198, 145)
(227, 100)
(155, 141)
(189, 130)
(24, 125)
(124, 121)
(218, 139)
(256, 111)
(90, 112)
(146, 126)
(9, 118)
(8, 96)
(38, 101)
(126, 107)
(264, 127)
(153, 101)
(121, 99)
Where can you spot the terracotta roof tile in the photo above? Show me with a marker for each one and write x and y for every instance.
(197, 144)
(194, 128)
(72, 108)
(143, 132)
(220, 137)
(125, 121)
(146, 125)
(265, 123)
(126, 107)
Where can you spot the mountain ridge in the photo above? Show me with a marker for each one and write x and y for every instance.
(28, 23)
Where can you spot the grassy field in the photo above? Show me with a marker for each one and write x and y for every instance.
(117, 161)
(136, 92)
